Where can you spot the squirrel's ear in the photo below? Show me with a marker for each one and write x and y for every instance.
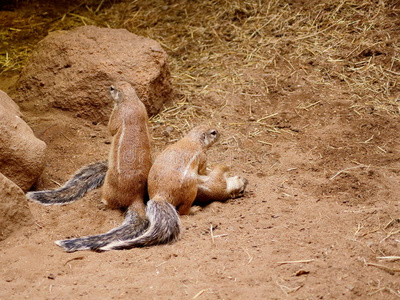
(115, 94)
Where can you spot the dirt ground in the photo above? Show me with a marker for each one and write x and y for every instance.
(306, 95)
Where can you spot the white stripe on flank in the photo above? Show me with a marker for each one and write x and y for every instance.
(121, 138)
(190, 163)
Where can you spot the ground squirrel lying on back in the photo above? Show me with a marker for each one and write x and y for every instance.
(217, 186)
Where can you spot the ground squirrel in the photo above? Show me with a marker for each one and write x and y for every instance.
(175, 178)
(130, 159)
(124, 176)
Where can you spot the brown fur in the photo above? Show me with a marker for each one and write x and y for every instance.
(217, 186)
(174, 174)
(129, 160)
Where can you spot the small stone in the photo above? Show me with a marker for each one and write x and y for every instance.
(302, 272)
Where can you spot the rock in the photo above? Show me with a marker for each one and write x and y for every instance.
(14, 211)
(73, 70)
(22, 155)
(8, 104)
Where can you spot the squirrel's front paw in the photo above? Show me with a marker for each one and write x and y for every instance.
(236, 186)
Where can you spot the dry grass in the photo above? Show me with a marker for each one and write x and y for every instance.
(219, 44)
(251, 50)
(12, 58)
(253, 46)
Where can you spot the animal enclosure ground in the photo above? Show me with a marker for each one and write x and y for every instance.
(306, 95)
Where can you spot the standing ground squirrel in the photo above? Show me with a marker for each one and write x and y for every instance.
(125, 174)
(130, 159)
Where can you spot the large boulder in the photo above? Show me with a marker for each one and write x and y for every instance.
(73, 70)
(14, 210)
(8, 104)
(22, 155)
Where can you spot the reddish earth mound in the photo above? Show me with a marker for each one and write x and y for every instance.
(73, 70)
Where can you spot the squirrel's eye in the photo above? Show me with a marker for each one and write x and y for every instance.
(213, 132)
(112, 88)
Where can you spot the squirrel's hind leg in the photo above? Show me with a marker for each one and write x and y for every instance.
(217, 186)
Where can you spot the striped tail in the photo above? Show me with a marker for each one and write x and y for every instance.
(86, 179)
(132, 227)
(164, 228)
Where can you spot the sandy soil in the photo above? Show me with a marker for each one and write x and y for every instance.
(321, 210)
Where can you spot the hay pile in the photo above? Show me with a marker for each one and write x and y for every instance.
(214, 44)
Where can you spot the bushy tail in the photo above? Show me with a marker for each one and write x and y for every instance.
(132, 227)
(164, 228)
(86, 179)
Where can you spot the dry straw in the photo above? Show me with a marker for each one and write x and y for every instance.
(219, 45)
